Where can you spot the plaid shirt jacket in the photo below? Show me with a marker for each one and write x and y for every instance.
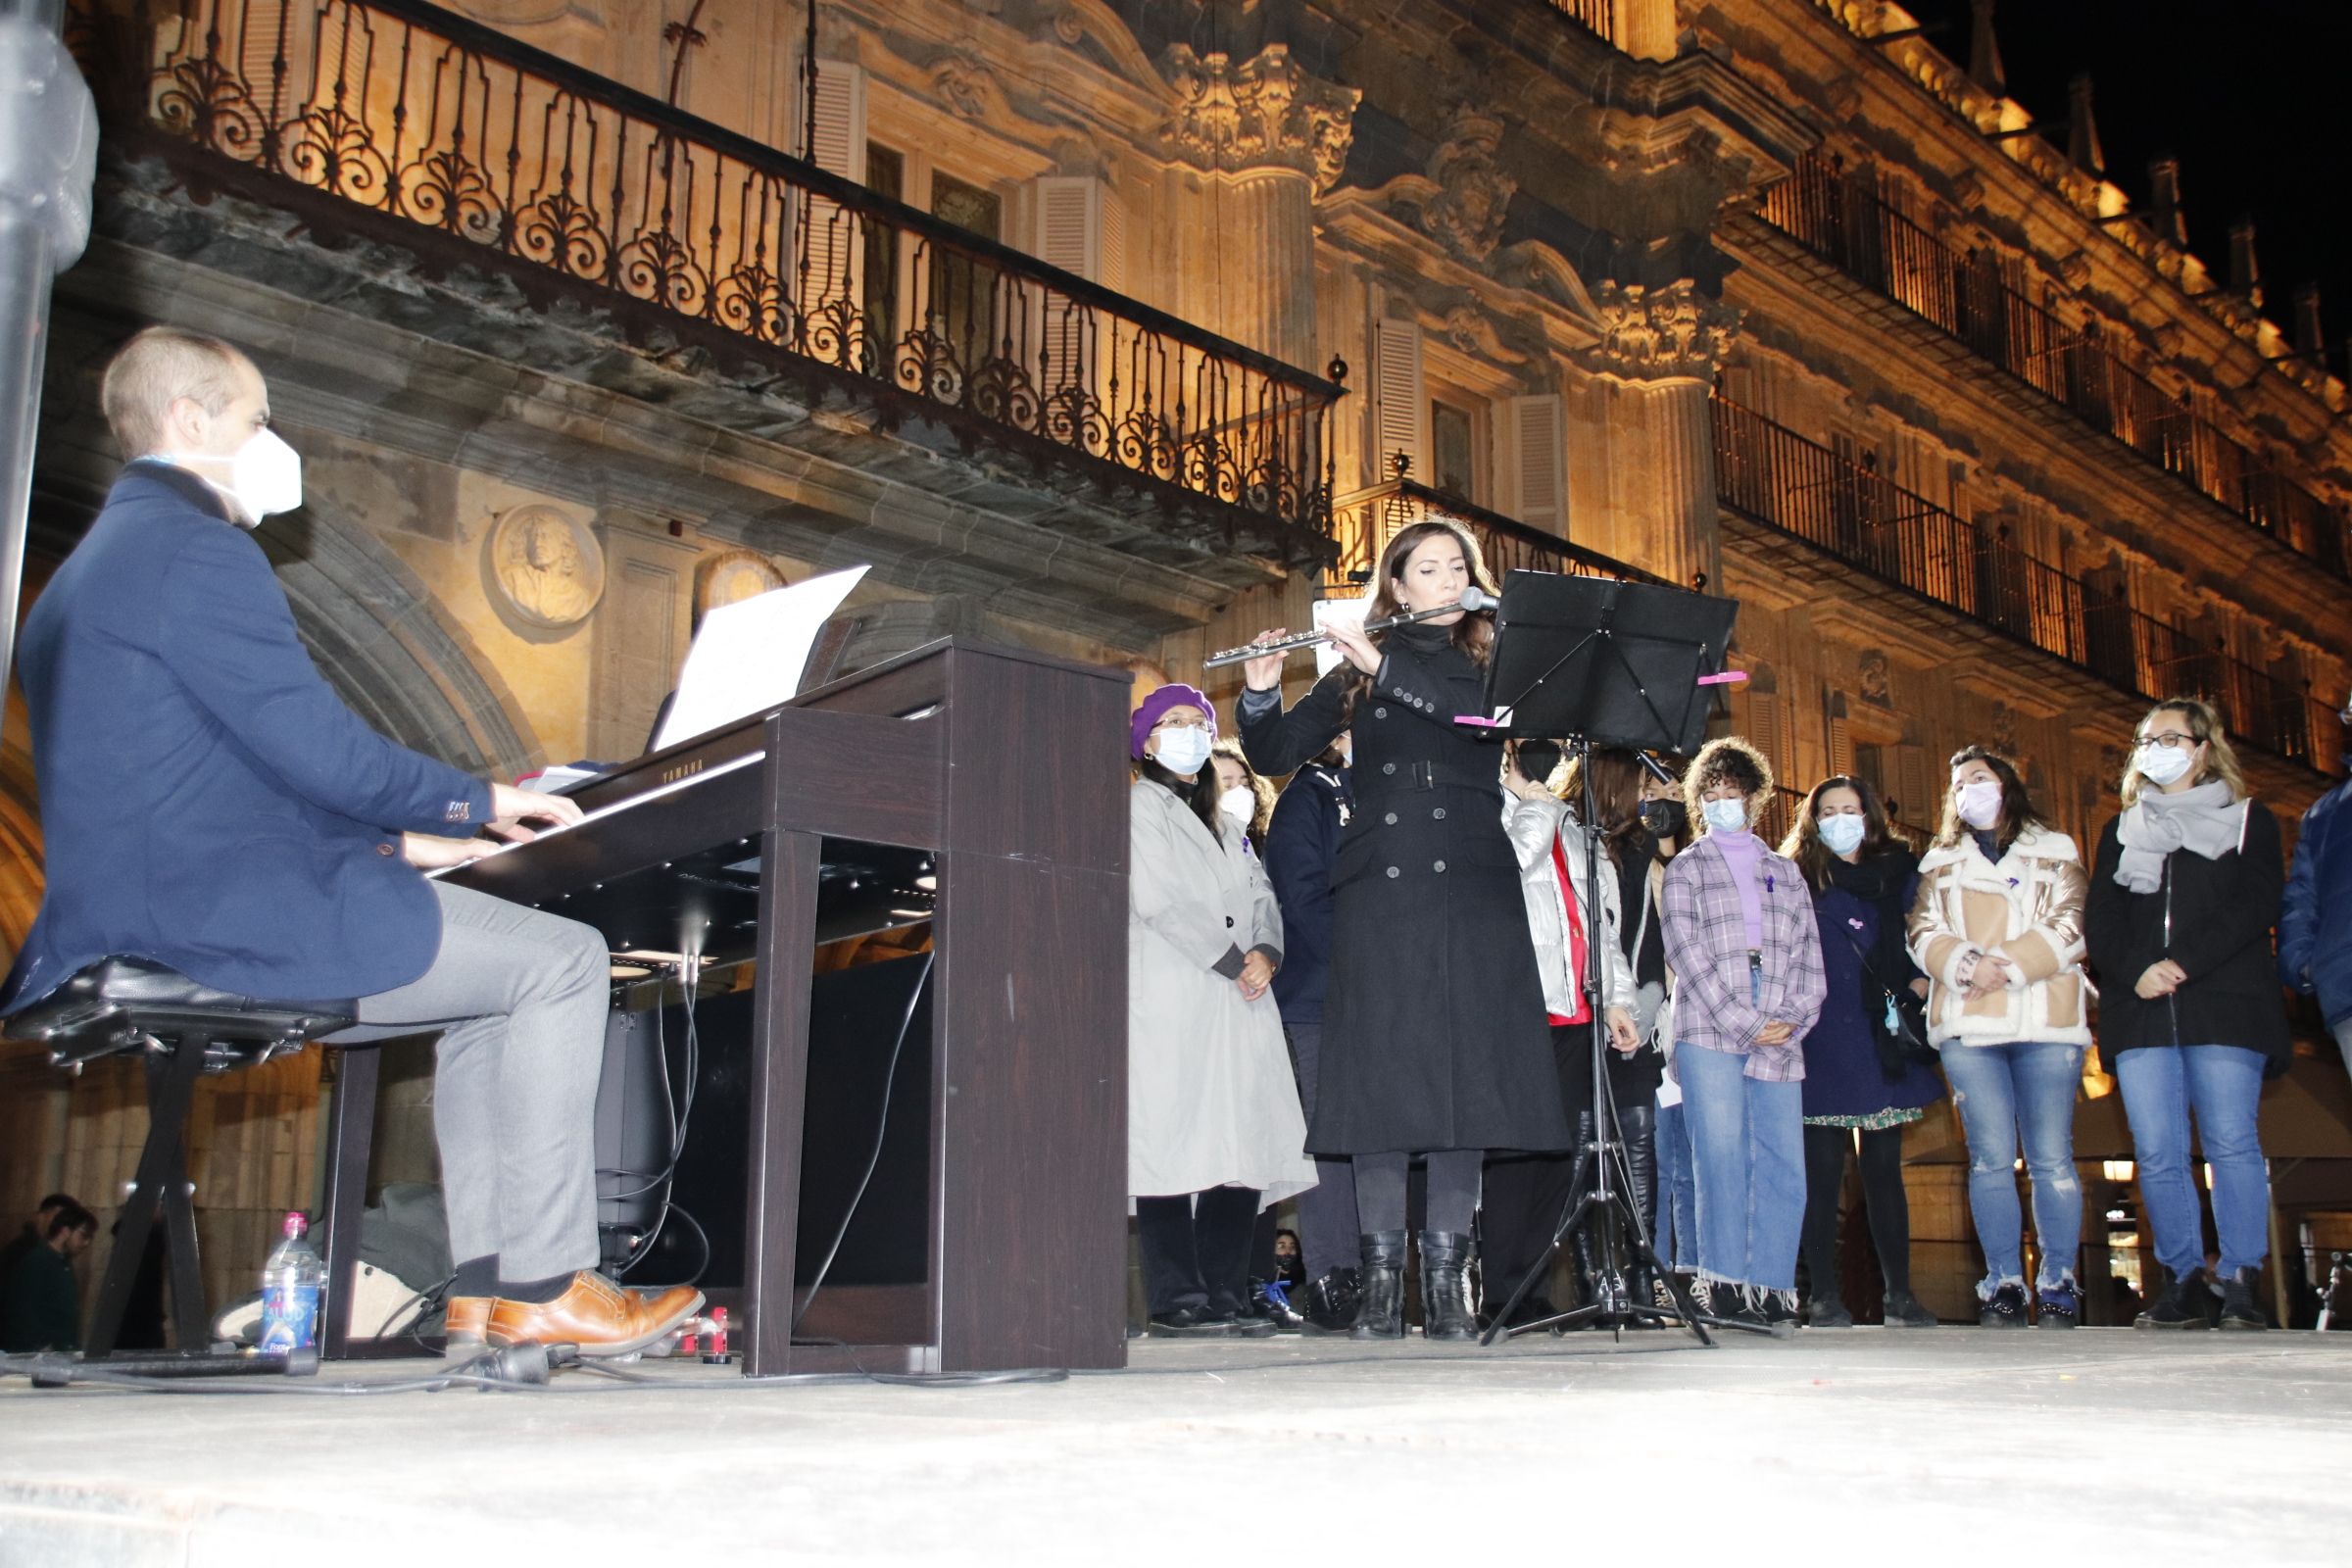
(1706, 942)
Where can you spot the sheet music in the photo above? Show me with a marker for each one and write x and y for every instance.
(749, 657)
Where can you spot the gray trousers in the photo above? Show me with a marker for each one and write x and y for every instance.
(519, 998)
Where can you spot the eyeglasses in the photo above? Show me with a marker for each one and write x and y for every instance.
(2171, 741)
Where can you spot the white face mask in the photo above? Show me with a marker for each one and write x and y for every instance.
(1980, 804)
(1183, 749)
(2162, 765)
(1725, 816)
(1843, 833)
(1239, 803)
(265, 476)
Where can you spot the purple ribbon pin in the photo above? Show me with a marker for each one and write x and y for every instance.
(1769, 884)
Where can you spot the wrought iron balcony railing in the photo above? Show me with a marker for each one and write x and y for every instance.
(1774, 476)
(1364, 522)
(1843, 216)
(400, 119)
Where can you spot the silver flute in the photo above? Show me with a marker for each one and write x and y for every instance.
(1477, 601)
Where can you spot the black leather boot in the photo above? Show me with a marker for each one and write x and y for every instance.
(1329, 1304)
(1445, 1287)
(1379, 1311)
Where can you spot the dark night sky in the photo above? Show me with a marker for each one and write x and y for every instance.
(2250, 95)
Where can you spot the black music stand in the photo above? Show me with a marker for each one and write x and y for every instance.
(1589, 661)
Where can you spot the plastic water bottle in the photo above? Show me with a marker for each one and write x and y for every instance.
(291, 1284)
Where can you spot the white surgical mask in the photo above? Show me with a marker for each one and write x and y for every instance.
(1725, 816)
(1183, 749)
(265, 476)
(1980, 803)
(2162, 764)
(1843, 833)
(1239, 803)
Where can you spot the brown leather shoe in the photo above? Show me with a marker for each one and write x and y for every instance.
(465, 1318)
(595, 1314)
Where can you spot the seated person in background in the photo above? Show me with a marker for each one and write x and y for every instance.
(209, 803)
(29, 1235)
(40, 1300)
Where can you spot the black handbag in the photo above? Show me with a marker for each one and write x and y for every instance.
(1898, 1020)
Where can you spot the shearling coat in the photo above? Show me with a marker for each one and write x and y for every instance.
(1210, 1099)
(2028, 909)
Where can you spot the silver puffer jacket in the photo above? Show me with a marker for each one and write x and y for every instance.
(1532, 825)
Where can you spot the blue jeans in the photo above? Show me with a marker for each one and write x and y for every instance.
(1747, 1149)
(2003, 1092)
(1674, 1228)
(2162, 1084)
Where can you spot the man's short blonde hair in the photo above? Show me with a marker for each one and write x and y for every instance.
(156, 366)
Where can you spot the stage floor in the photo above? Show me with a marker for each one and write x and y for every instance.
(1940, 1445)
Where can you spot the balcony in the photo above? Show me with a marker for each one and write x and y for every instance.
(402, 124)
(1597, 17)
(1804, 491)
(1364, 522)
(1843, 219)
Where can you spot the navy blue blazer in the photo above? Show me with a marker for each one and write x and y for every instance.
(207, 801)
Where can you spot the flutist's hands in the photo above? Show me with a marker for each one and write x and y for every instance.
(1264, 672)
(1350, 638)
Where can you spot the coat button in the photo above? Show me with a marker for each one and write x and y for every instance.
(1229, 922)
(1380, 712)
(1390, 819)
(1438, 814)
(1388, 768)
(1440, 867)
(1392, 872)
(383, 849)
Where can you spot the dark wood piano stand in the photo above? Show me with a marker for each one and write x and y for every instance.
(1010, 767)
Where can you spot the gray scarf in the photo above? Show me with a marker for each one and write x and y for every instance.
(2203, 819)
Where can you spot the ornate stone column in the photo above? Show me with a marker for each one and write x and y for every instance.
(1658, 349)
(1269, 139)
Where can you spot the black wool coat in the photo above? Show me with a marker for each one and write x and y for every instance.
(2222, 914)
(1434, 1029)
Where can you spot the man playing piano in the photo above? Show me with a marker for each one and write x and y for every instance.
(208, 803)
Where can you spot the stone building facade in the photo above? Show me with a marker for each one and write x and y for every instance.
(1766, 296)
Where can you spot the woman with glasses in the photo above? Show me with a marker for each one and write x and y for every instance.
(1997, 925)
(1862, 1087)
(2183, 892)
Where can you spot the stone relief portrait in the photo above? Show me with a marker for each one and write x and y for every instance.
(731, 577)
(546, 567)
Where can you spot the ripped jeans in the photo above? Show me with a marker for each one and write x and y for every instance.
(2003, 1092)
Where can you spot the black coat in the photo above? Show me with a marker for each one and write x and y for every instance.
(2223, 911)
(1302, 841)
(1434, 1032)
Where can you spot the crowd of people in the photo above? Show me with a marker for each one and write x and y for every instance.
(1389, 977)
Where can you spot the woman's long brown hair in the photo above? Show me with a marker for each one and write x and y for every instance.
(1474, 635)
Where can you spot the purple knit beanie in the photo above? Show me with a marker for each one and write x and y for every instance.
(1175, 693)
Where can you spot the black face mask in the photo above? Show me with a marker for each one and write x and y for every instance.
(1668, 819)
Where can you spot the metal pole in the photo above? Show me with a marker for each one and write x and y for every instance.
(48, 164)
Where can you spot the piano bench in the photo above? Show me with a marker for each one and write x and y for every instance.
(182, 1029)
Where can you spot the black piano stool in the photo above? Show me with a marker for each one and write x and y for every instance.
(182, 1030)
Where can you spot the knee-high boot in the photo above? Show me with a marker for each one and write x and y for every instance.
(1379, 1311)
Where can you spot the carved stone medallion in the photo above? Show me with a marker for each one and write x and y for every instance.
(546, 567)
(731, 577)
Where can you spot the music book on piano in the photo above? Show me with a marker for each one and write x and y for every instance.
(750, 656)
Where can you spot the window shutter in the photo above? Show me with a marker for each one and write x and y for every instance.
(1399, 401)
(1914, 799)
(834, 236)
(1069, 223)
(1842, 747)
(1536, 480)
